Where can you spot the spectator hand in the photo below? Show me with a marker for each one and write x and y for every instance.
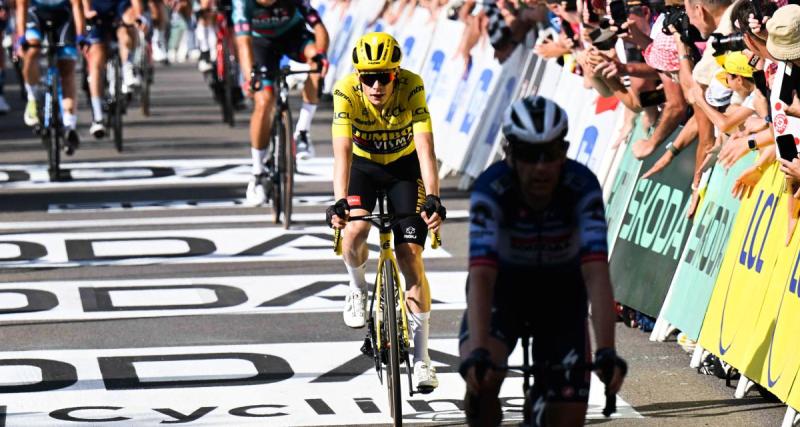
(732, 151)
(758, 28)
(548, 49)
(696, 94)
(662, 163)
(792, 168)
(746, 182)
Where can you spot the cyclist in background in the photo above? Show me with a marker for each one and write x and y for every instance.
(111, 17)
(265, 31)
(383, 139)
(537, 248)
(4, 107)
(69, 25)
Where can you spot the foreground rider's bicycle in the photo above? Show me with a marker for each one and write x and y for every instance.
(387, 340)
(279, 179)
(534, 408)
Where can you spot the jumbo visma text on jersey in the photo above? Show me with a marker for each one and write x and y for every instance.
(384, 135)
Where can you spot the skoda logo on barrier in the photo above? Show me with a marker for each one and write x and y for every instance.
(746, 257)
(793, 289)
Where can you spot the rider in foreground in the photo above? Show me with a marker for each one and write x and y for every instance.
(67, 17)
(383, 139)
(107, 14)
(537, 248)
(265, 31)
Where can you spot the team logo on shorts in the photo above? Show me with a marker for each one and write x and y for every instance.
(410, 232)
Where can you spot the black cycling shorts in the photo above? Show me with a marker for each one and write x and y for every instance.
(268, 52)
(109, 15)
(402, 182)
(63, 26)
(555, 321)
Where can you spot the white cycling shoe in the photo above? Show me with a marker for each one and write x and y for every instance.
(355, 307)
(425, 377)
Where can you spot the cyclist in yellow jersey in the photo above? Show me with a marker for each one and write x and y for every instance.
(383, 139)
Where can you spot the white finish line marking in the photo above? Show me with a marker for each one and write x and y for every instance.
(204, 246)
(264, 216)
(119, 299)
(153, 172)
(301, 384)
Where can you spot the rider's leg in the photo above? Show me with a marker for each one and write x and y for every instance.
(482, 406)
(566, 414)
(418, 296)
(204, 33)
(32, 76)
(355, 251)
(97, 68)
(66, 68)
(128, 39)
(260, 125)
(160, 20)
(309, 107)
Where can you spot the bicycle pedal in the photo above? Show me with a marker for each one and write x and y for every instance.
(366, 348)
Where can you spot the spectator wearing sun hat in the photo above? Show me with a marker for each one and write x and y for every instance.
(736, 79)
(783, 27)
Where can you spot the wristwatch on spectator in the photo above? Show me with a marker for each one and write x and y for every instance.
(751, 143)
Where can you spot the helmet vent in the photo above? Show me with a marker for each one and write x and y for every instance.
(368, 51)
(380, 51)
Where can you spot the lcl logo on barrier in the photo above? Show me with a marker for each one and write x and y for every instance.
(748, 257)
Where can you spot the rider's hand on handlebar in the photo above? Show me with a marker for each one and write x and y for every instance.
(336, 215)
(321, 59)
(474, 369)
(611, 369)
(433, 212)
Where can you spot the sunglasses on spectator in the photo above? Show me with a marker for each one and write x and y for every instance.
(384, 78)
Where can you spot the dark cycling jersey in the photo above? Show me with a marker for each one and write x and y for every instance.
(252, 19)
(507, 235)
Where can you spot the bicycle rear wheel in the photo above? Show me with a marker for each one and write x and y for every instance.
(228, 85)
(147, 78)
(119, 99)
(287, 171)
(390, 326)
(278, 142)
(53, 132)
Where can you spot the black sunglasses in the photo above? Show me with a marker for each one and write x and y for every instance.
(384, 78)
(535, 153)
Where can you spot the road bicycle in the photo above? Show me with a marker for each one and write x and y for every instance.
(387, 340)
(533, 410)
(114, 102)
(280, 162)
(227, 69)
(144, 69)
(51, 126)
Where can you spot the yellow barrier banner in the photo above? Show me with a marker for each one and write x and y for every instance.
(741, 286)
(774, 345)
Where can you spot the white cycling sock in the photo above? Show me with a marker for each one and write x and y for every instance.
(97, 108)
(201, 35)
(258, 160)
(358, 281)
(70, 121)
(420, 324)
(32, 90)
(306, 115)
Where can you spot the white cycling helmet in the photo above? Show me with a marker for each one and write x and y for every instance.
(534, 120)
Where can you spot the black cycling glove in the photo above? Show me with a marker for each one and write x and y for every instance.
(606, 359)
(479, 358)
(339, 209)
(434, 204)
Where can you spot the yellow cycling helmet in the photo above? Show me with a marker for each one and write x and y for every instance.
(376, 52)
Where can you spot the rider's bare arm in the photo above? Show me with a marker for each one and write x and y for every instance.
(601, 296)
(342, 160)
(77, 16)
(244, 46)
(427, 162)
(22, 17)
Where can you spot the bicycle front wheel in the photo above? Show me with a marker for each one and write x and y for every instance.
(390, 326)
(278, 142)
(147, 80)
(287, 170)
(53, 133)
(119, 99)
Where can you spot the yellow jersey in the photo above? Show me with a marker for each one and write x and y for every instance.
(385, 135)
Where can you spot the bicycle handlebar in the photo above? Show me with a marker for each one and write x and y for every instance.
(611, 398)
(257, 74)
(436, 238)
